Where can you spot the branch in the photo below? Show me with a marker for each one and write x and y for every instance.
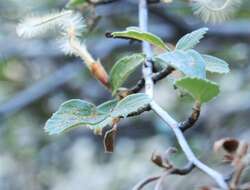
(183, 171)
(234, 30)
(159, 183)
(146, 181)
(109, 35)
(192, 119)
(140, 111)
(146, 48)
(153, 1)
(174, 171)
(101, 2)
(173, 124)
(155, 77)
(185, 147)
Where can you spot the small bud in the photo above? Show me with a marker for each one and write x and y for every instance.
(109, 139)
(157, 159)
(229, 145)
(99, 73)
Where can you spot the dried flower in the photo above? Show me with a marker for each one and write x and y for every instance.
(215, 10)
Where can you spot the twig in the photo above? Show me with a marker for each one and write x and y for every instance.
(236, 177)
(159, 183)
(146, 181)
(185, 147)
(109, 35)
(153, 1)
(192, 119)
(175, 171)
(162, 74)
(101, 2)
(155, 77)
(140, 111)
(239, 165)
(183, 171)
(147, 73)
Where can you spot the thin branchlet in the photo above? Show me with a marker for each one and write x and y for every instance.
(144, 182)
(109, 35)
(101, 2)
(183, 171)
(156, 77)
(174, 171)
(192, 118)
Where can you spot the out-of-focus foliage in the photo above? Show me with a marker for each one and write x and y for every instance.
(30, 159)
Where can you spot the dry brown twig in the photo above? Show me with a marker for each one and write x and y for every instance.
(236, 154)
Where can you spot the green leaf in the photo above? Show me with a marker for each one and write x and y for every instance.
(76, 113)
(73, 113)
(201, 90)
(189, 62)
(191, 39)
(73, 3)
(131, 104)
(216, 65)
(107, 107)
(97, 128)
(123, 68)
(137, 34)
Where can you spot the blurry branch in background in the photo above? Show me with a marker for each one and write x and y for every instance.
(101, 2)
(40, 89)
(235, 152)
(236, 30)
(146, 181)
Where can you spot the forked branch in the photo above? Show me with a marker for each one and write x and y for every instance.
(172, 123)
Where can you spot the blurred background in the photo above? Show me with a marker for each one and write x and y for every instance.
(35, 78)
